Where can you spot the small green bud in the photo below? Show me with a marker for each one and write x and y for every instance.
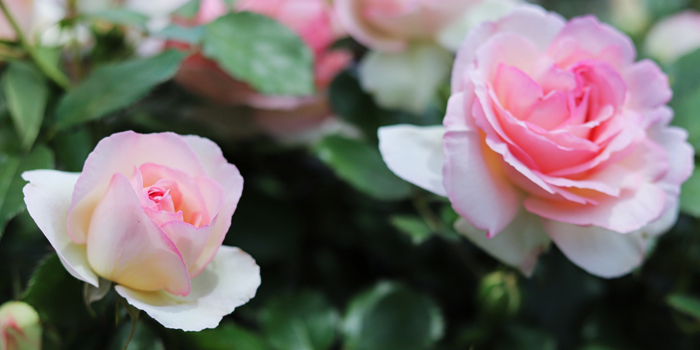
(498, 296)
(19, 327)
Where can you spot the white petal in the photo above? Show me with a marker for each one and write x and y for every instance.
(229, 281)
(48, 196)
(518, 245)
(407, 80)
(415, 154)
(599, 251)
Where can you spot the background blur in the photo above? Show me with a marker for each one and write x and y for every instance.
(351, 256)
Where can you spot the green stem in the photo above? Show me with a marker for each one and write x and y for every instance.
(134, 313)
(134, 321)
(59, 78)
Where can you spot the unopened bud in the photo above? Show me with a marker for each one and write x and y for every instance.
(498, 296)
(19, 327)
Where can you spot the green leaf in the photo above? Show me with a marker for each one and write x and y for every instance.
(72, 148)
(685, 75)
(362, 166)
(188, 10)
(114, 87)
(47, 59)
(302, 321)
(26, 92)
(518, 337)
(690, 194)
(225, 337)
(121, 16)
(190, 35)
(413, 226)
(262, 52)
(686, 95)
(11, 182)
(56, 295)
(392, 317)
(685, 304)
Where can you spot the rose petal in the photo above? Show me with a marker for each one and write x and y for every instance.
(586, 38)
(599, 251)
(230, 280)
(120, 153)
(186, 192)
(518, 245)
(680, 153)
(526, 18)
(48, 195)
(475, 183)
(225, 174)
(125, 246)
(630, 212)
(350, 15)
(648, 86)
(415, 154)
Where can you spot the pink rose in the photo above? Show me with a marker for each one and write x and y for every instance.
(389, 25)
(23, 13)
(553, 132)
(673, 37)
(149, 213)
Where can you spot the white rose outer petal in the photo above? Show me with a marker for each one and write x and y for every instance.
(415, 154)
(230, 280)
(517, 245)
(48, 197)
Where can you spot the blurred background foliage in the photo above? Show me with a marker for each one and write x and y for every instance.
(351, 256)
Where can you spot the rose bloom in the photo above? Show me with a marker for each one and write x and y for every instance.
(674, 37)
(553, 133)
(149, 213)
(19, 327)
(389, 25)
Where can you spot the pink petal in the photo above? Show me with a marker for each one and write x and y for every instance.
(534, 23)
(508, 49)
(476, 186)
(120, 153)
(540, 24)
(127, 247)
(550, 112)
(648, 86)
(680, 154)
(459, 110)
(229, 178)
(592, 40)
(351, 16)
(629, 212)
(516, 91)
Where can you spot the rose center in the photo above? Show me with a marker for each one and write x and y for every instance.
(161, 198)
